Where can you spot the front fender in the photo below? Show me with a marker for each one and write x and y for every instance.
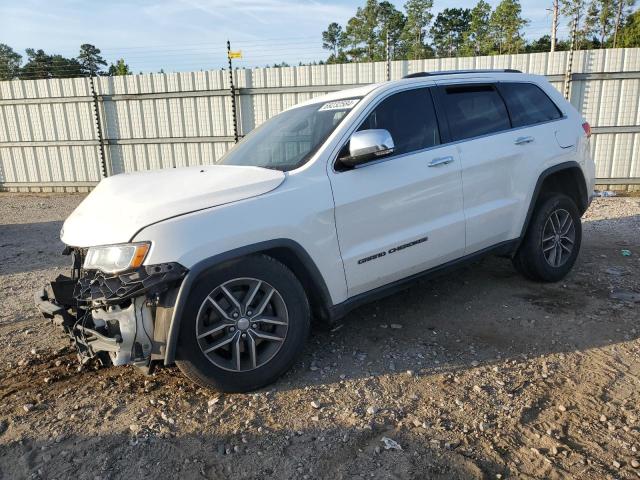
(312, 279)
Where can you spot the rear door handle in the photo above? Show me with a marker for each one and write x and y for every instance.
(523, 140)
(441, 161)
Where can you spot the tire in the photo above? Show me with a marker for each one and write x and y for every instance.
(543, 258)
(253, 357)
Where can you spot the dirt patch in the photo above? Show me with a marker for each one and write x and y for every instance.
(488, 375)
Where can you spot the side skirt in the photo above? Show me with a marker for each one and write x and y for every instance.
(338, 311)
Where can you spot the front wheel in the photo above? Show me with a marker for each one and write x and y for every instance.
(552, 241)
(244, 325)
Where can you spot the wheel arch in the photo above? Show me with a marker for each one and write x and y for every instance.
(566, 178)
(286, 251)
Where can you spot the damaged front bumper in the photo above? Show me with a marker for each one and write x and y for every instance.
(118, 319)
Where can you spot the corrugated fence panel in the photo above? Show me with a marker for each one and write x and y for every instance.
(48, 134)
(165, 120)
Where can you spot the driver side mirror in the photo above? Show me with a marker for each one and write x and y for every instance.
(367, 145)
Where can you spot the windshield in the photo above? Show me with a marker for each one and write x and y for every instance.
(287, 141)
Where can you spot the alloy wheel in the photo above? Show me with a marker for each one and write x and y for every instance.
(558, 238)
(242, 324)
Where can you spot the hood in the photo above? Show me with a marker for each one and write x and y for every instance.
(123, 204)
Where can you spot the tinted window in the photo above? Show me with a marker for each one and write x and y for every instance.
(528, 104)
(475, 110)
(409, 117)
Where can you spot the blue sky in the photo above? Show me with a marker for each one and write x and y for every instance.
(191, 34)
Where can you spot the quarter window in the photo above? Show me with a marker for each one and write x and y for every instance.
(475, 110)
(528, 104)
(409, 117)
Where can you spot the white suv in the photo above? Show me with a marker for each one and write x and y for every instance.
(330, 204)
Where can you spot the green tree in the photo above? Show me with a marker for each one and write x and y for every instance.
(391, 21)
(448, 30)
(477, 40)
(622, 11)
(629, 34)
(120, 68)
(9, 62)
(576, 11)
(62, 67)
(41, 65)
(543, 44)
(360, 33)
(90, 59)
(591, 18)
(38, 65)
(571, 9)
(366, 32)
(598, 24)
(282, 64)
(333, 38)
(506, 24)
(419, 17)
(600, 19)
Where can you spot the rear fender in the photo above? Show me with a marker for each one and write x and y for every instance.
(583, 197)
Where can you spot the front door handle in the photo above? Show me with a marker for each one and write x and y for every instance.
(441, 161)
(523, 140)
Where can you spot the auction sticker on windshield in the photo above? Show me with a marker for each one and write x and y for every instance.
(339, 105)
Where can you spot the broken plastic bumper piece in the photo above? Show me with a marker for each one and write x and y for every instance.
(109, 316)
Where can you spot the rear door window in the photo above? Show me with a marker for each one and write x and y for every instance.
(528, 104)
(474, 110)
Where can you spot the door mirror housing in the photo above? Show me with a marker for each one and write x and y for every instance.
(368, 145)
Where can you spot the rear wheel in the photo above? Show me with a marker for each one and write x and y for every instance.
(244, 325)
(552, 241)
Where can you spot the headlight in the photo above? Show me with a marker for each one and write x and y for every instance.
(116, 258)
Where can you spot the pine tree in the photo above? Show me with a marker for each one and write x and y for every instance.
(360, 32)
(477, 40)
(120, 68)
(574, 10)
(506, 24)
(630, 32)
(391, 21)
(333, 38)
(365, 35)
(41, 65)
(605, 19)
(419, 17)
(90, 59)
(448, 30)
(9, 62)
(621, 8)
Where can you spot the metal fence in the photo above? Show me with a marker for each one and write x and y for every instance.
(49, 139)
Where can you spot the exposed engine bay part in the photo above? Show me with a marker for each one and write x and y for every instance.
(131, 327)
(96, 286)
(113, 334)
(113, 319)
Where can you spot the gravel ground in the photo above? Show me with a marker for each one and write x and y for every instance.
(478, 374)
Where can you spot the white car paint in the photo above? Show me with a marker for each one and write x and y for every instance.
(338, 218)
(301, 209)
(398, 202)
(123, 204)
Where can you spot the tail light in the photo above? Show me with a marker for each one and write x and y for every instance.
(587, 129)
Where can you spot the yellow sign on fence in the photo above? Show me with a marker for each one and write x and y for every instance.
(237, 54)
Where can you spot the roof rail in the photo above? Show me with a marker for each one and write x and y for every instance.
(454, 72)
